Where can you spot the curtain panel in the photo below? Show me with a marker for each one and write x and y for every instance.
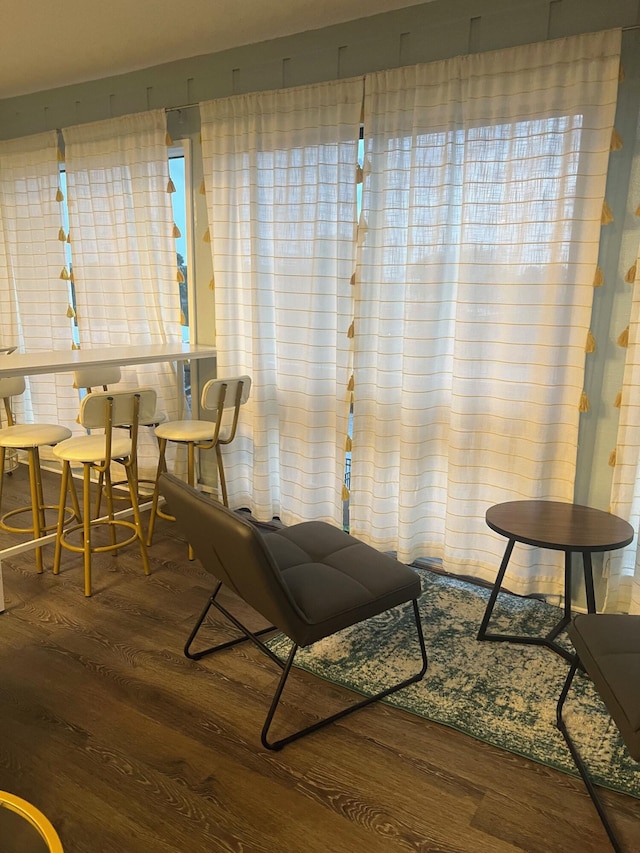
(124, 256)
(622, 568)
(484, 182)
(35, 299)
(280, 172)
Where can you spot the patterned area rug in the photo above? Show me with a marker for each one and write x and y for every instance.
(501, 693)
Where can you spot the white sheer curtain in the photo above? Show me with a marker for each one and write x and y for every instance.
(622, 568)
(280, 178)
(124, 256)
(35, 299)
(482, 202)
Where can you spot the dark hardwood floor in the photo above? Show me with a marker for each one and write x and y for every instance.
(128, 747)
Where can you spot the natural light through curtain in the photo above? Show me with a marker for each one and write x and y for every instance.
(122, 245)
(34, 298)
(280, 179)
(482, 201)
(622, 568)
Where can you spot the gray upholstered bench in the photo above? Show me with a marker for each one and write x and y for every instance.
(608, 647)
(309, 580)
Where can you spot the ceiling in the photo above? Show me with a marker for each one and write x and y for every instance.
(45, 44)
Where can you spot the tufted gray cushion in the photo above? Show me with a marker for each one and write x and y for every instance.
(335, 580)
(309, 580)
(608, 645)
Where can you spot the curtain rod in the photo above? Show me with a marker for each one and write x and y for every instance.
(628, 29)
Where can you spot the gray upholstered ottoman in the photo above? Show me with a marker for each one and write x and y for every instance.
(309, 580)
(608, 647)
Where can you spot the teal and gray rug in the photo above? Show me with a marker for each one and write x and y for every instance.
(501, 693)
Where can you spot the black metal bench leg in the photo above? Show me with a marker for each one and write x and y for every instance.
(246, 634)
(278, 744)
(582, 769)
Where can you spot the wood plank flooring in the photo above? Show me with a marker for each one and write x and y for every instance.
(128, 747)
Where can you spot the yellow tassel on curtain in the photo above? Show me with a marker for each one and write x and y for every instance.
(70, 312)
(62, 236)
(69, 237)
(623, 338)
(202, 190)
(168, 140)
(72, 277)
(607, 215)
(630, 277)
(176, 231)
(616, 140)
(59, 195)
(351, 329)
(171, 187)
(60, 156)
(347, 444)
(590, 346)
(359, 174)
(179, 277)
(74, 345)
(585, 406)
(618, 402)
(352, 280)
(64, 275)
(613, 458)
(345, 493)
(351, 384)
(183, 319)
(598, 278)
(212, 283)
(207, 236)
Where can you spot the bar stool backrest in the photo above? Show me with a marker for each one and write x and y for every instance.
(211, 393)
(97, 377)
(226, 395)
(94, 408)
(11, 386)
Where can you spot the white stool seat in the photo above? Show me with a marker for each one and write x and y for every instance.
(22, 436)
(187, 430)
(91, 448)
(28, 438)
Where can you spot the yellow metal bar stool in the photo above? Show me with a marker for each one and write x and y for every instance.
(95, 452)
(104, 377)
(35, 818)
(223, 397)
(29, 438)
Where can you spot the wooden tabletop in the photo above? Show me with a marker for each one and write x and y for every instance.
(559, 526)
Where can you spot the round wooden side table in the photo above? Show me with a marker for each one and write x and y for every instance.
(561, 527)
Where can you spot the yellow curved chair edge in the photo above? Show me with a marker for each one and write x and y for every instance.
(35, 817)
